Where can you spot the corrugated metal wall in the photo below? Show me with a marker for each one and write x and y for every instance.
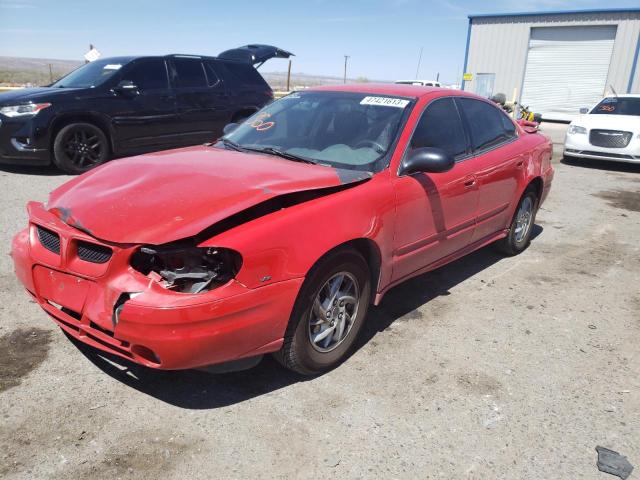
(499, 45)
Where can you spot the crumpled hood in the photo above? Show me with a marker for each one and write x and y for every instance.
(166, 196)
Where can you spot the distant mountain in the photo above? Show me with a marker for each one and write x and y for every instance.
(35, 71)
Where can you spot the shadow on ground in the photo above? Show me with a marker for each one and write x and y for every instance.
(602, 165)
(193, 389)
(47, 170)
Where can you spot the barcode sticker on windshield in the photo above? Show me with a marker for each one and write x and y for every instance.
(112, 66)
(385, 102)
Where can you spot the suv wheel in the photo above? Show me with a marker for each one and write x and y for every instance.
(79, 147)
(328, 314)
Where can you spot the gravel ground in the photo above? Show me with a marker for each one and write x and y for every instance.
(506, 368)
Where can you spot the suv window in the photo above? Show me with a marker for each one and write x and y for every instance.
(189, 72)
(212, 75)
(148, 74)
(241, 75)
(488, 126)
(440, 127)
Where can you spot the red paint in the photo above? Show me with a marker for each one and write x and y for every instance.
(415, 223)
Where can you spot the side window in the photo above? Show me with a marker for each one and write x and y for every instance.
(440, 127)
(189, 72)
(213, 78)
(487, 125)
(148, 74)
(509, 127)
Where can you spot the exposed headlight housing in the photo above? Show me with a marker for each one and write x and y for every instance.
(576, 129)
(187, 269)
(26, 110)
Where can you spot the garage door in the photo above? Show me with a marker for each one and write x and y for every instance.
(566, 69)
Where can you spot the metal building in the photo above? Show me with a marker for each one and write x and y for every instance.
(554, 62)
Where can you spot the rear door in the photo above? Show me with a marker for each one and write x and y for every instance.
(148, 119)
(435, 212)
(201, 101)
(497, 160)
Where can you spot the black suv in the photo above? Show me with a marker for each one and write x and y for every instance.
(127, 105)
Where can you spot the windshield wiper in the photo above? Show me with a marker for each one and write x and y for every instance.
(281, 153)
(232, 145)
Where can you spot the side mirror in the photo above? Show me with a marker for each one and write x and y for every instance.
(584, 110)
(229, 127)
(427, 159)
(126, 88)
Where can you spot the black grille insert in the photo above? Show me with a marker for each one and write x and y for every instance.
(610, 138)
(49, 240)
(90, 252)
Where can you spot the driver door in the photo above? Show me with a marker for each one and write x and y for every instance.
(435, 212)
(146, 120)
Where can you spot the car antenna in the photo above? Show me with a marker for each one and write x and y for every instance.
(613, 90)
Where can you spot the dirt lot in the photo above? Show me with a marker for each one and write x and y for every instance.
(509, 368)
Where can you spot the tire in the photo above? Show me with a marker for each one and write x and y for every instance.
(516, 241)
(79, 147)
(299, 352)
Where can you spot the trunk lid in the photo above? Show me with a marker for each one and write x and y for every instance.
(254, 54)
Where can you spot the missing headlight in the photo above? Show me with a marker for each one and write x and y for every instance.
(187, 269)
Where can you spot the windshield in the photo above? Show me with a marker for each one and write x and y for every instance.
(618, 106)
(89, 75)
(340, 129)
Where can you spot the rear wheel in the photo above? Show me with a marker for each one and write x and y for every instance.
(328, 314)
(519, 236)
(79, 147)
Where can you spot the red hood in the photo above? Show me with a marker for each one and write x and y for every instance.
(166, 196)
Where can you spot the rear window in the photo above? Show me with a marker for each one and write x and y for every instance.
(212, 75)
(189, 73)
(488, 125)
(241, 74)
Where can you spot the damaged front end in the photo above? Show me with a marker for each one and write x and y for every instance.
(186, 268)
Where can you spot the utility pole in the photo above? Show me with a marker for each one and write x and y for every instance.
(419, 60)
(346, 57)
(50, 74)
(289, 77)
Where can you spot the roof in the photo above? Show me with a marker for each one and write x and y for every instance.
(398, 89)
(623, 95)
(556, 12)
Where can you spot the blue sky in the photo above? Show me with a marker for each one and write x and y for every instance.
(383, 37)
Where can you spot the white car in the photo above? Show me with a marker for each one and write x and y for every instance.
(423, 83)
(609, 131)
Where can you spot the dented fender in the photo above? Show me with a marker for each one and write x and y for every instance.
(285, 244)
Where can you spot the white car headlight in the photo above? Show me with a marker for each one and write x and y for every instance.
(576, 129)
(26, 110)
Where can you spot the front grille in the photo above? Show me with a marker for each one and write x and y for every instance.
(49, 240)
(610, 138)
(90, 252)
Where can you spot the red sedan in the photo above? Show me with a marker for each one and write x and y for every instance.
(280, 236)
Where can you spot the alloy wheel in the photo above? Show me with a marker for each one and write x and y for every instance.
(334, 310)
(83, 148)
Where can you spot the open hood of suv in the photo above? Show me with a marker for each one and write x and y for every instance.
(254, 54)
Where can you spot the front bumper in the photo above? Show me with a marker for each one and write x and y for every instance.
(23, 143)
(156, 327)
(578, 146)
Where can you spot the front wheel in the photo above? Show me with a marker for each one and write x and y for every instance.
(79, 147)
(521, 228)
(328, 314)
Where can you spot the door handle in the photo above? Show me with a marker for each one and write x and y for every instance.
(469, 182)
